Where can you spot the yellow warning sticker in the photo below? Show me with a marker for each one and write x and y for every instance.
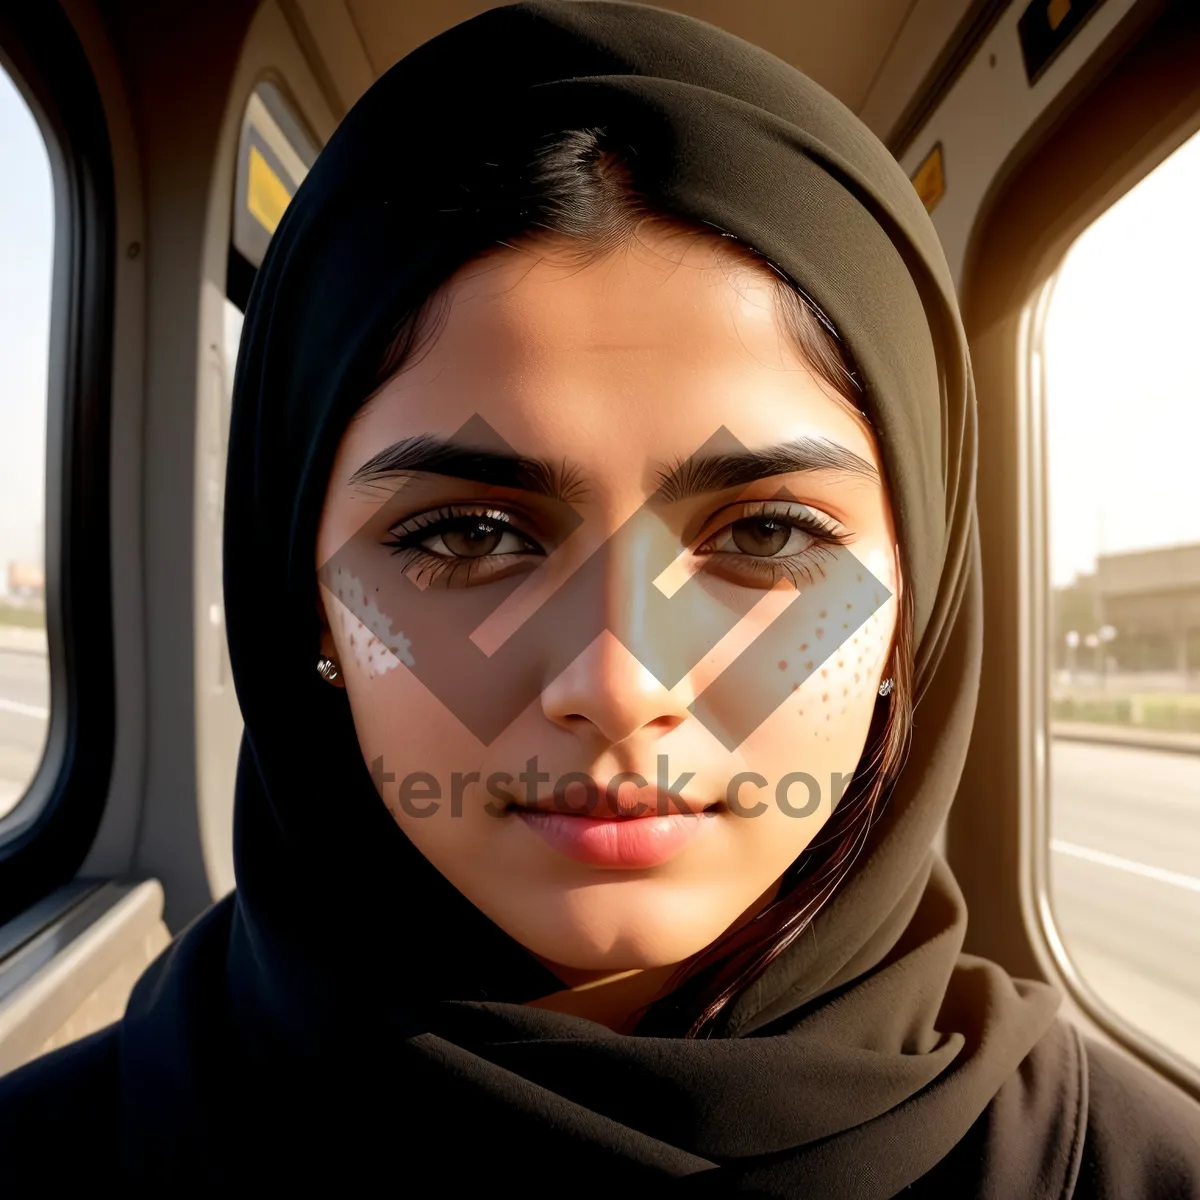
(267, 194)
(930, 180)
(1056, 10)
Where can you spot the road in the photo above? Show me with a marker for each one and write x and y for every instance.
(1125, 861)
(24, 708)
(1125, 881)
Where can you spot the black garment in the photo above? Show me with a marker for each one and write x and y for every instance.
(348, 1011)
(1121, 1134)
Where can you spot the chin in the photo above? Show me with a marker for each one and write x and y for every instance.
(624, 926)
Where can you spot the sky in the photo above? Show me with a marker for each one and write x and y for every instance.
(1122, 345)
(26, 256)
(1123, 375)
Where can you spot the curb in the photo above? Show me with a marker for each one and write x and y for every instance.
(21, 639)
(1123, 735)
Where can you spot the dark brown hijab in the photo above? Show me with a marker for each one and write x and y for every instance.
(348, 1010)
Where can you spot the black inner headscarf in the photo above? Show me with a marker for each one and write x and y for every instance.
(347, 1004)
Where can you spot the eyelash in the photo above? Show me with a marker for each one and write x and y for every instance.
(800, 568)
(407, 537)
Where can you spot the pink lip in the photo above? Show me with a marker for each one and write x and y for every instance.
(629, 842)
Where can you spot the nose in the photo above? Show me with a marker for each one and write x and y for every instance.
(609, 696)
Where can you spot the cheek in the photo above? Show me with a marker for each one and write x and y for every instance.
(810, 747)
(838, 690)
(834, 692)
(834, 704)
(821, 729)
(420, 757)
(395, 718)
(367, 641)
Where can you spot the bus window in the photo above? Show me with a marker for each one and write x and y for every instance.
(1122, 427)
(26, 264)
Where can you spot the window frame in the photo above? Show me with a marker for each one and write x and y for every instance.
(1121, 122)
(1037, 652)
(47, 835)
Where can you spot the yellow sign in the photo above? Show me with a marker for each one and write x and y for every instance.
(1056, 10)
(930, 180)
(267, 195)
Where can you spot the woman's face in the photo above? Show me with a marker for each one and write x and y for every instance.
(666, 492)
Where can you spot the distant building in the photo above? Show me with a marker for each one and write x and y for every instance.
(1150, 602)
(27, 583)
(1152, 599)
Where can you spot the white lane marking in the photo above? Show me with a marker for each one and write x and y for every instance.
(1175, 878)
(24, 710)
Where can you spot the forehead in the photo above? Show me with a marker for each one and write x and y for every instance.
(643, 353)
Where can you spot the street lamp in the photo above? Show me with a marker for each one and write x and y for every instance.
(1106, 633)
(1072, 646)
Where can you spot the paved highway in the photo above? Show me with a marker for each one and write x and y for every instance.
(24, 708)
(1125, 881)
(1125, 861)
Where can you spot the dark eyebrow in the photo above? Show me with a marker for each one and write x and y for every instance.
(432, 455)
(714, 473)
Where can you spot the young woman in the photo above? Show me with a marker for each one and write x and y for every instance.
(603, 599)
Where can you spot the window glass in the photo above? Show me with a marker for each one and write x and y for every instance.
(1122, 395)
(26, 265)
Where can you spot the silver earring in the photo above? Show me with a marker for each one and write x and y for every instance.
(885, 688)
(327, 669)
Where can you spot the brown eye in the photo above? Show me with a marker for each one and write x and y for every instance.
(765, 547)
(472, 539)
(763, 537)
